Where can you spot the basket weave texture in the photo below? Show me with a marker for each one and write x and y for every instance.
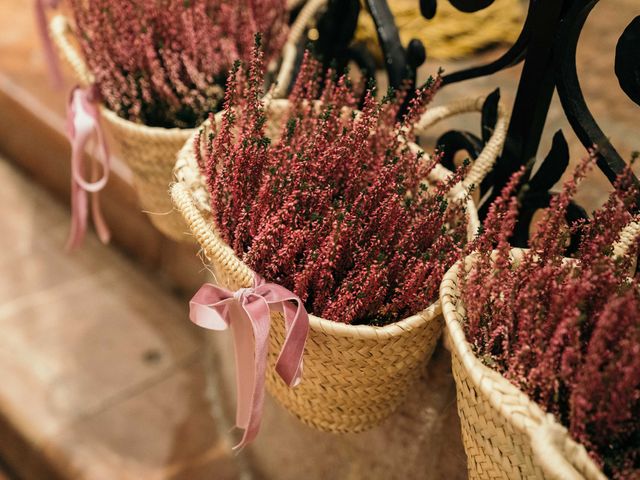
(354, 375)
(150, 153)
(505, 434)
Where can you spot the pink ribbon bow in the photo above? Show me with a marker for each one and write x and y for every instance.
(247, 312)
(82, 123)
(49, 53)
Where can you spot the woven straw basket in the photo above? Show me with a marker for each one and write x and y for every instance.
(354, 376)
(150, 152)
(505, 434)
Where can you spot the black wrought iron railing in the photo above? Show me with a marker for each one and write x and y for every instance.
(547, 47)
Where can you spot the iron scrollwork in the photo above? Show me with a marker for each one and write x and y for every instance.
(627, 66)
(570, 93)
(547, 46)
(336, 29)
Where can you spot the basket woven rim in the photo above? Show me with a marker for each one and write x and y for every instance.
(548, 436)
(60, 27)
(483, 377)
(124, 124)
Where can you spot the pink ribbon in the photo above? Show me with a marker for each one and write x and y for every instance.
(82, 123)
(49, 53)
(247, 313)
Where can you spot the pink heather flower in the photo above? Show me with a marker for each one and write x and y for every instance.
(336, 208)
(164, 62)
(566, 333)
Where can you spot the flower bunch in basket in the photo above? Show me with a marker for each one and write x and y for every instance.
(163, 63)
(565, 331)
(336, 206)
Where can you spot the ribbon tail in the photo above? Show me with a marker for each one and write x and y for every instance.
(79, 200)
(78, 218)
(50, 56)
(296, 318)
(290, 360)
(83, 122)
(102, 229)
(244, 358)
(99, 222)
(101, 225)
(251, 322)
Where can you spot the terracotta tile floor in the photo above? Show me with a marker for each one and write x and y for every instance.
(101, 371)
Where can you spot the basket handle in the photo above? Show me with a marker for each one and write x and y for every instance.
(627, 238)
(560, 457)
(290, 49)
(60, 30)
(487, 158)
